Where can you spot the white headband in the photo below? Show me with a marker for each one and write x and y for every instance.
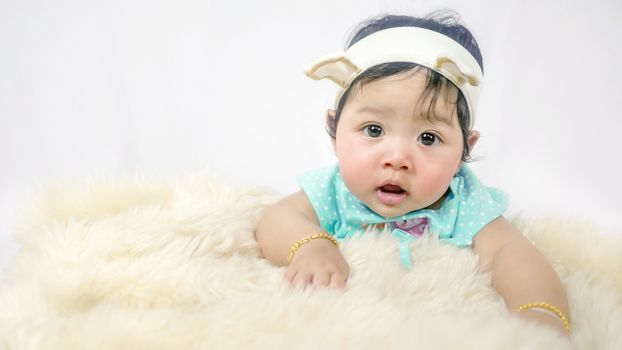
(424, 47)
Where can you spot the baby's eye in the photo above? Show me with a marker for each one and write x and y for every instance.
(373, 130)
(428, 139)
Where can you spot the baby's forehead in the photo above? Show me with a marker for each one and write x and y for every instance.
(429, 103)
(419, 82)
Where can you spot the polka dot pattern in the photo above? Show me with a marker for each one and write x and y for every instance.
(467, 209)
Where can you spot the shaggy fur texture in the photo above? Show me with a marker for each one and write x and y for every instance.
(148, 265)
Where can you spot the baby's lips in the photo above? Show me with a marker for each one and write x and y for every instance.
(390, 198)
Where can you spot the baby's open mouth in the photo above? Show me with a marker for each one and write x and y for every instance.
(392, 189)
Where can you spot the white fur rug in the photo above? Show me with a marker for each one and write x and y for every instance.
(148, 265)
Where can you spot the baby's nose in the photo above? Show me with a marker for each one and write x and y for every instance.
(397, 163)
(400, 158)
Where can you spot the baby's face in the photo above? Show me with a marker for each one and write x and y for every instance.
(391, 157)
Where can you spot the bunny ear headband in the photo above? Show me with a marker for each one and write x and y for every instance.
(424, 47)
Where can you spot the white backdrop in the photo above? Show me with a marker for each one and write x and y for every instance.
(170, 87)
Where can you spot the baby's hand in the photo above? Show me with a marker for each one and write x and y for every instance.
(318, 263)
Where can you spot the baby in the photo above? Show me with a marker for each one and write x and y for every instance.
(402, 131)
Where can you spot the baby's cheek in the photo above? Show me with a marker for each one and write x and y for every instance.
(356, 176)
(436, 185)
(353, 179)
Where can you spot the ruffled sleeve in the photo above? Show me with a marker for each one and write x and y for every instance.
(319, 187)
(469, 208)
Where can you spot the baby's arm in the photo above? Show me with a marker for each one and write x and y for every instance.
(318, 262)
(520, 273)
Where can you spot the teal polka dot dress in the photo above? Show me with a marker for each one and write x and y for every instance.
(468, 207)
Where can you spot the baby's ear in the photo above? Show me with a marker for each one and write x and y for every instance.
(331, 115)
(472, 139)
(330, 119)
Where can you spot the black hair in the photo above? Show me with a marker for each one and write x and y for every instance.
(445, 22)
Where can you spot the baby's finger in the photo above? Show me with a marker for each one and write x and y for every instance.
(321, 278)
(302, 278)
(289, 275)
(337, 280)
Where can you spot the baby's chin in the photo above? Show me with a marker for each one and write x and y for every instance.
(395, 211)
(391, 212)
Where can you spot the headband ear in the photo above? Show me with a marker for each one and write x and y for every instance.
(460, 75)
(335, 67)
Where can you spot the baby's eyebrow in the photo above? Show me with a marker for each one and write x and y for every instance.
(427, 115)
(434, 117)
(373, 110)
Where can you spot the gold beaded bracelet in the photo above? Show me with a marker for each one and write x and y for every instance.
(307, 239)
(547, 306)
